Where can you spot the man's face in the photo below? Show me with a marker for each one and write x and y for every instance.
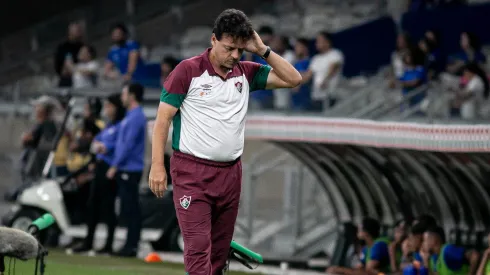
(84, 54)
(322, 44)
(86, 111)
(361, 234)
(166, 69)
(40, 111)
(429, 242)
(415, 241)
(228, 50)
(117, 35)
(74, 32)
(125, 97)
(300, 49)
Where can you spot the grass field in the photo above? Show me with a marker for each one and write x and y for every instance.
(58, 263)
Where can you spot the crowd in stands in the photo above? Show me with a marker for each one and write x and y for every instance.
(416, 247)
(462, 76)
(414, 64)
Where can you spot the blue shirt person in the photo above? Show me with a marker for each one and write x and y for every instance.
(124, 56)
(412, 78)
(128, 164)
(108, 138)
(130, 143)
(300, 100)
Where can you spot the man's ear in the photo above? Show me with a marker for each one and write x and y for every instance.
(213, 39)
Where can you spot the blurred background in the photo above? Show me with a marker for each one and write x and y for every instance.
(400, 130)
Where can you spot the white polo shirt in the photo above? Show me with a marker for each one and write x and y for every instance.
(210, 123)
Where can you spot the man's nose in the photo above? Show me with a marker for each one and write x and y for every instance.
(235, 54)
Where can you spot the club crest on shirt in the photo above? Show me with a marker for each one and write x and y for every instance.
(185, 202)
(238, 86)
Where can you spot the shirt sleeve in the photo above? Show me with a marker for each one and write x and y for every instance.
(176, 85)
(454, 256)
(133, 46)
(379, 251)
(256, 75)
(338, 57)
(110, 55)
(126, 139)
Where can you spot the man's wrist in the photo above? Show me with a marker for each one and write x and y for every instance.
(262, 50)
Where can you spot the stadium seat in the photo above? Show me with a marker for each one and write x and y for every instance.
(289, 24)
(157, 53)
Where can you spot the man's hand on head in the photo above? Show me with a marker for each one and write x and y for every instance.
(255, 45)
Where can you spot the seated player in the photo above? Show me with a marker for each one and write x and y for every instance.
(395, 248)
(484, 268)
(375, 255)
(443, 259)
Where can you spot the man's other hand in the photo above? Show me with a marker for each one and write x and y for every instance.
(158, 180)
(111, 173)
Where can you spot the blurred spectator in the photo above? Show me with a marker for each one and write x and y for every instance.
(300, 99)
(124, 56)
(375, 254)
(85, 71)
(325, 70)
(414, 75)
(68, 50)
(103, 191)
(44, 128)
(62, 149)
(469, 100)
(168, 64)
(79, 146)
(262, 99)
(447, 258)
(485, 260)
(395, 247)
(471, 52)
(128, 163)
(433, 61)
(403, 45)
(281, 45)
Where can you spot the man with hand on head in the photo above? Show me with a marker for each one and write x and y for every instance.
(206, 99)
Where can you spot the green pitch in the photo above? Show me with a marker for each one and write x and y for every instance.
(57, 263)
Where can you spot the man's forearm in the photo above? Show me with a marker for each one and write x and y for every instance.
(159, 140)
(284, 70)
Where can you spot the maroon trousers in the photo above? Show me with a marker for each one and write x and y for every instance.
(206, 197)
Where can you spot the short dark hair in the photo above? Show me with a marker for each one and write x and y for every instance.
(137, 90)
(304, 41)
(91, 51)
(267, 30)
(438, 231)
(115, 99)
(371, 226)
(234, 23)
(326, 35)
(89, 126)
(171, 61)
(426, 220)
(418, 229)
(120, 26)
